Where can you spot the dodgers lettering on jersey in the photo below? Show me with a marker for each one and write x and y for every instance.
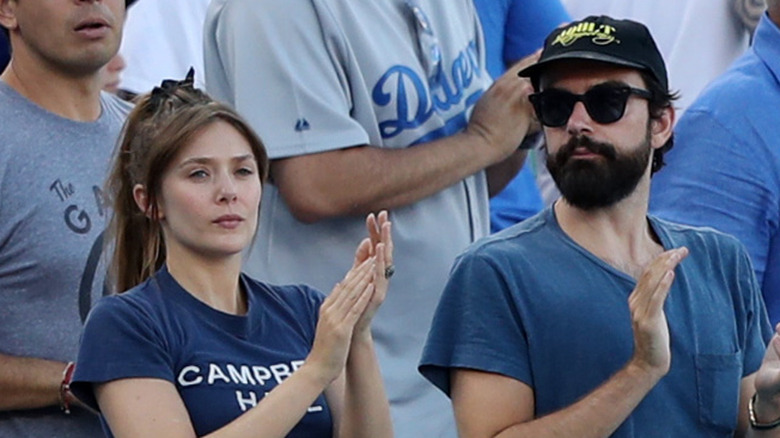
(417, 100)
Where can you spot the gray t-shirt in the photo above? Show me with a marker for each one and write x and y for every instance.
(318, 75)
(52, 219)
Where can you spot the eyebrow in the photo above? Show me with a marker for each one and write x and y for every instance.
(208, 160)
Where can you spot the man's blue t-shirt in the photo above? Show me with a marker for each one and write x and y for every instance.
(532, 304)
(221, 364)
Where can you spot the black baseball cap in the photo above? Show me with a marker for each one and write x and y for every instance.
(605, 39)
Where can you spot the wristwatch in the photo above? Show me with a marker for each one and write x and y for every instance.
(752, 416)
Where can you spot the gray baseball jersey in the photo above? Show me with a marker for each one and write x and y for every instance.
(319, 75)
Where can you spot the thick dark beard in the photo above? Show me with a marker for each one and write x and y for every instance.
(593, 184)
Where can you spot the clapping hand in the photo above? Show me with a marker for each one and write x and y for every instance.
(646, 302)
(379, 245)
(767, 382)
(348, 310)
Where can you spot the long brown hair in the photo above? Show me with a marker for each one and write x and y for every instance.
(162, 122)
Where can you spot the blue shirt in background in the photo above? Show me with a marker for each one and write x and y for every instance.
(724, 170)
(514, 29)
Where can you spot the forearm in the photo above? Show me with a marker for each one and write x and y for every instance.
(280, 410)
(501, 174)
(366, 410)
(29, 383)
(598, 414)
(359, 180)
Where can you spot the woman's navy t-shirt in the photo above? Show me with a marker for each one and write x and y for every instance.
(221, 364)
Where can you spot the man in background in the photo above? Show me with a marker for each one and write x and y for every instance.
(725, 170)
(367, 106)
(593, 318)
(513, 30)
(58, 131)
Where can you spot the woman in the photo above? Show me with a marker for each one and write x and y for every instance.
(196, 348)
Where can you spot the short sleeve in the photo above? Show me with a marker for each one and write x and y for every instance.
(476, 326)
(280, 66)
(119, 341)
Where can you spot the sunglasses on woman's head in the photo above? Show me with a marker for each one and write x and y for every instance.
(605, 103)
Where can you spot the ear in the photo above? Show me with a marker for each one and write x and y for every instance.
(141, 198)
(662, 127)
(8, 14)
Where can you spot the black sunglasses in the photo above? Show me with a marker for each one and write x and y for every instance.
(605, 103)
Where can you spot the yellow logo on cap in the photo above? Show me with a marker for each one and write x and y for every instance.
(602, 34)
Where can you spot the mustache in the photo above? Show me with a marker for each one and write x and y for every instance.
(583, 141)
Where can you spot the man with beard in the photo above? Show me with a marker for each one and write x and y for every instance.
(58, 131)
(593, 318)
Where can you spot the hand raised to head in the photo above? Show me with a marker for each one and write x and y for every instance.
(503, 116)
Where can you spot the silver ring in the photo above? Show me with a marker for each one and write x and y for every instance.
(389, 271)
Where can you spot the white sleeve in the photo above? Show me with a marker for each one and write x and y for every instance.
(276, 63)
(162, 40)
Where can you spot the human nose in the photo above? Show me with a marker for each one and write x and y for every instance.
(227, 190)
(579, 119)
